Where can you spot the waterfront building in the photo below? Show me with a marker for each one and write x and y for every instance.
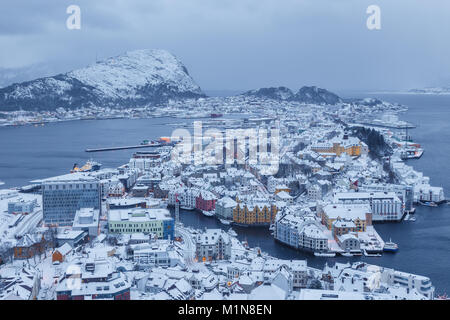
(63, 196)
(213, 244)
(426, 193)
(205, 201)
(359, 214)
(404, 192)
(349, 242)
(303, 233)
(153, 220)
(385, 206)
(254, 213)
(187, 197)
(225, 207)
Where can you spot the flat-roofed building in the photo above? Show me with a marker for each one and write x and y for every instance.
(385, 206)
(62, 196)
(155, 221)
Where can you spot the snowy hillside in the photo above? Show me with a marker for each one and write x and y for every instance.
(137, 78)
(305, 94)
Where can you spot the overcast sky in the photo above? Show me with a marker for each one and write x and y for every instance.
(244, 44)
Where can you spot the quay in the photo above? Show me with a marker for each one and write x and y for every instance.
(126, 147)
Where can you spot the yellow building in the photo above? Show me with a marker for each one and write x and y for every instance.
(359, 214)
(348, 145)
(254, 214)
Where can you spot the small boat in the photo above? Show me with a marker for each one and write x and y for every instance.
(208, 213)
(428, 203)
(346, 254)
(390, 246)
(187, 208)
(412, 219)
(231, 232)
(325, 254)
(225, 222)
(368, 254)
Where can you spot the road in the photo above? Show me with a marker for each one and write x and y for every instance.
(29, 223)
(189, 245)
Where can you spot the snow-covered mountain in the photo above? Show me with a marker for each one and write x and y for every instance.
(305, 94)
(136, 78)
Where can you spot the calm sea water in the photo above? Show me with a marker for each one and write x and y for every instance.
(28, 153)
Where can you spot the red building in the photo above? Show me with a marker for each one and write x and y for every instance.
(205, 201)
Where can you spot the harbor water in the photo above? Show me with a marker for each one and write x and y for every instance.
(34, 152)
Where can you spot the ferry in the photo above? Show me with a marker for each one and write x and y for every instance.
(225, 222)
(325, 254)
(88, 167)
(390, 246)
(208, 213)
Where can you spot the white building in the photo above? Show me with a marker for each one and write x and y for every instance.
(386, 206)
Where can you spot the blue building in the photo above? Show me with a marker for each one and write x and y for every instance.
(62, 196)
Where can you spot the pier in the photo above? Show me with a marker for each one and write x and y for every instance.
(126, 147)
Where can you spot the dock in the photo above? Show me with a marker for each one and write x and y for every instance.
(126, 147)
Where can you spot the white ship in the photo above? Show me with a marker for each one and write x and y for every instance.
(346, 254)
(225, 222)
(208, 213)
(325, 254)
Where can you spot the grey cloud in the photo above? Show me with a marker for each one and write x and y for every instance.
(244, 44)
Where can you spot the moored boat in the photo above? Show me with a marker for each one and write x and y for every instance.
(428, 203)
(225, 222)
(208, 213)
(346, 254)
(325, 254)
(390, 246)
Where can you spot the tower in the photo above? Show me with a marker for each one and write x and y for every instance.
(177, 210)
